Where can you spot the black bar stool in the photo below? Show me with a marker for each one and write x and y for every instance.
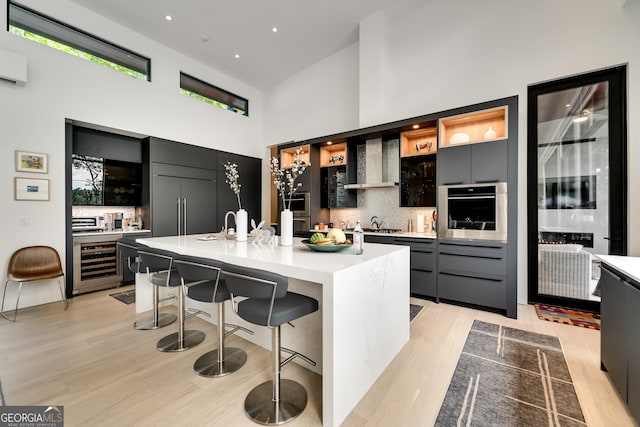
(269, 304)
(165, 274)
(155, 274)
(202, 281)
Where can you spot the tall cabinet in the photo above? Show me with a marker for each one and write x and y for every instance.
(478, 145)
(183, 190)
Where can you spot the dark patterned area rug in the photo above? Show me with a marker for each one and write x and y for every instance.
(127, 297)
(510, 377)
(414, 309)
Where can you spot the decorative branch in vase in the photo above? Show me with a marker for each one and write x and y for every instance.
(285, 181)
(285, 178)
(232, 176)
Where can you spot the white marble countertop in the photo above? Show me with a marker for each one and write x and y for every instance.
(625, 264)
(297, 261)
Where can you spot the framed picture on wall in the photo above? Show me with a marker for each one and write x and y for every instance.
(31, 189)
(32, 162)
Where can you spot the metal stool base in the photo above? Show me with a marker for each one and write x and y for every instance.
(171, 343)
(147, 323)
(207, 365)
(260, 407)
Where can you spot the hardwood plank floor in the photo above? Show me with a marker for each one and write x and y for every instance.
(91, 360)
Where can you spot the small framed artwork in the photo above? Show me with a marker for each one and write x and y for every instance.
(31, 189)
(32, 162)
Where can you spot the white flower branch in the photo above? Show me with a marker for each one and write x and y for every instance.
(231, 172)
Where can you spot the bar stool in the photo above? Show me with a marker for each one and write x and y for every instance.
(166, 275)
(127, 253)
(155, 270)
(202, 281)
(269, 304)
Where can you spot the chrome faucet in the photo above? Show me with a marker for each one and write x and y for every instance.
(226, 217)
(374, 221)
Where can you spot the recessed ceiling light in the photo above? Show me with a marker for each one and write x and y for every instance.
(204, 38)
(274, 29)
(168, 18)
(237, 56)
(329, 142)
(416, 126)
(568, 105)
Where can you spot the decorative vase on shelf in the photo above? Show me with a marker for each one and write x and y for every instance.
(490, 134)
(241, 225)
(286, 228)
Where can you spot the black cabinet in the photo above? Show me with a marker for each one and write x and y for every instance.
(619, 346)
(475, 272)
(332, 191)
(184, 200)
(250, 179)
(423, 265)
(418, 181)
(473, 163)
(182, 197)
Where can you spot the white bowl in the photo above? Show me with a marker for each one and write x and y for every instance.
(459, 138)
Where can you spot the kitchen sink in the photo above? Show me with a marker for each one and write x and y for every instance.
(381, 230)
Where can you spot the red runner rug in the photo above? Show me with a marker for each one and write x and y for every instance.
(568, 316)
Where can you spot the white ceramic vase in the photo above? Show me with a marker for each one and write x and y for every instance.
(286, 228)
(241, 225)
(490, 134)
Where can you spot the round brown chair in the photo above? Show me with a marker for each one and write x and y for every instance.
(31, 264)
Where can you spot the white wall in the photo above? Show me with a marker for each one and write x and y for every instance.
(452, 53)
(61, 86)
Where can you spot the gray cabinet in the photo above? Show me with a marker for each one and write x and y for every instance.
(423, 265)
(619, 347)
(473, 163)
(474, 272)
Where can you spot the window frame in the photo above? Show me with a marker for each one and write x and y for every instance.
(84, 42)
(207, 90)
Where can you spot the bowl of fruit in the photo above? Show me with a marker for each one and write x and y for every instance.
(334, 241)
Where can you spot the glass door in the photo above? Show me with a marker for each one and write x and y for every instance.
(576, 185)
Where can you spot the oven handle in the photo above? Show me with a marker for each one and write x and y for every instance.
(301, 218)
(470, 197)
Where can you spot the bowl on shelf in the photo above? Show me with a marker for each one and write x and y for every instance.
(325, 248)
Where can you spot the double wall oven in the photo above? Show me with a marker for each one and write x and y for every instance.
(473, 211)
(301, 208)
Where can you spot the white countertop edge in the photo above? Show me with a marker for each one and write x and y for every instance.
(625, 264)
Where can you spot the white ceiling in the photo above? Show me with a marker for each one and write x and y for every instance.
(308, 30)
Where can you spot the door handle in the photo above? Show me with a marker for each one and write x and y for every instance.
(617, 239)
(179, 210)
(184, 213)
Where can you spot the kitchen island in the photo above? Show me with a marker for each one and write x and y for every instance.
(362, 322)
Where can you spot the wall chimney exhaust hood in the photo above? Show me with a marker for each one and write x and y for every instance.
(13, 68)
(378, 173)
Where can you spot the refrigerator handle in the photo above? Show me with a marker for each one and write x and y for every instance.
(184, 214)
(178, 223)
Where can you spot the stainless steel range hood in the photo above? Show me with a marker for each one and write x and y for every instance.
(380, 170)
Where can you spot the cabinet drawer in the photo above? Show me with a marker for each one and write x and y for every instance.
(488, 292)
(423, 260)
(483, 264)
(423, 283)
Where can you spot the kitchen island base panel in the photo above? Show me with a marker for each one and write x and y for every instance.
(363, 318)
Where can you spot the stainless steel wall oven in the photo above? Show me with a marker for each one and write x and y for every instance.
(473, 211)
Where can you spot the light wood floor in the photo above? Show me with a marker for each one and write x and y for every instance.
(105, 373)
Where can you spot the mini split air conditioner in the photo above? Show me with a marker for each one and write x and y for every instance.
(13, 68)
